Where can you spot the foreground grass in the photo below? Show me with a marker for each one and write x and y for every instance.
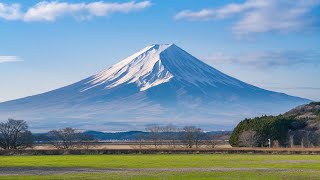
(165, 161)
(299, 166)
(176, 175)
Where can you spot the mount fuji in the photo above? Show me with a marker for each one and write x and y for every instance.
(160, 84)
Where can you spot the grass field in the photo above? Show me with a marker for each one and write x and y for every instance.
(183, 176)
(197, 166)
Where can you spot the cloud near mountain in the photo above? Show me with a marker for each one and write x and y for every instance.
(259, 16)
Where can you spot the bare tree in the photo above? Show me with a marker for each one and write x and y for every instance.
(14, 134)
(68, 138)
(249, 139)
(155, 135)
(210, 141)
(140, 138)
(192, 136)
(86, 140)
(291, 139)
(305, 141)
(170, 133)
(63, 138)
(314, 137)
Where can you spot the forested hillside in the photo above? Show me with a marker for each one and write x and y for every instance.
(297, 127)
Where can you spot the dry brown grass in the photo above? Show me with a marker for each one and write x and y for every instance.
(129, 146)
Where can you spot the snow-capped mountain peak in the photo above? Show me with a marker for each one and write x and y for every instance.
(157, 64)
(143, 68)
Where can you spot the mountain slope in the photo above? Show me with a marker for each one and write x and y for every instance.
(159, 84)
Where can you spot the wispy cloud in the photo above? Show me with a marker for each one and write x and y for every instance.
(4, 59)
(267, 59)
(50, 11)
(257, 16)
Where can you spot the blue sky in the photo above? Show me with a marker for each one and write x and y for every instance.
(49, 44)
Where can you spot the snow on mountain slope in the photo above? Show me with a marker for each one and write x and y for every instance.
(159, 84)
(144, 68)
(157, 64)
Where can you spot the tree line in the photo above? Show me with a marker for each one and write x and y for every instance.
(172, 136)
(14, 134)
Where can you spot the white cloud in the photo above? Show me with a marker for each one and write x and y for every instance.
(4, 59)
(256, 16)
(224, 12)
(50, 11)
(267, 59)
(9, 12)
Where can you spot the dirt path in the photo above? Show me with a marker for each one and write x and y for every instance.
(50, 170)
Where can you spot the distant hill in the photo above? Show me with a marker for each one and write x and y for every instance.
(129, 135)
(134, 135)
(309, 112)
(297, 127)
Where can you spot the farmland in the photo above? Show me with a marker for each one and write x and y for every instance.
(160, 166)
